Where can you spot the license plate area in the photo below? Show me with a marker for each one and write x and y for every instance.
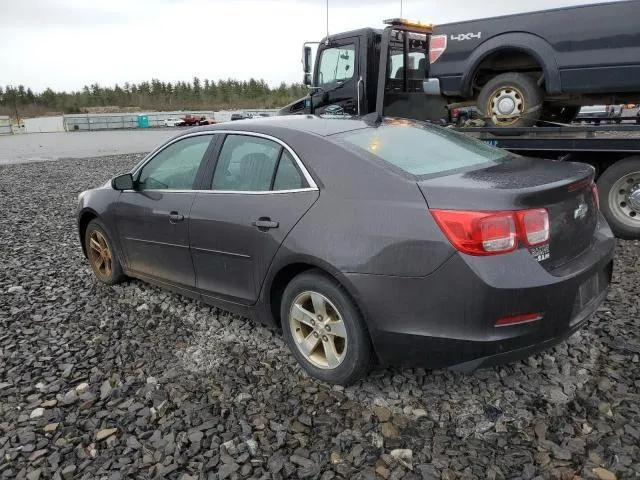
(588, 291)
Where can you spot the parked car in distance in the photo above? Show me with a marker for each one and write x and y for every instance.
(207, 121)
(173, 122)
(191, 120)
(600, 113)
(239, 116)
(396, 241)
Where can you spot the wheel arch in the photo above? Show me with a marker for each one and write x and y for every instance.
(280, 277)
(85, 216)
(524, 43)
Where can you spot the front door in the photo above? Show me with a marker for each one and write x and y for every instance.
(258, 192)
(337, 78)
(153, 219)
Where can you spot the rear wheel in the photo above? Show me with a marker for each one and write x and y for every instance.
(619, 188)
(324, 329)
(511, 100)
(100, 252)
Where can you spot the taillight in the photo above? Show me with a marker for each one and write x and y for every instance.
(491, 233)
(596, 198)
(437, 46)
(535, 226)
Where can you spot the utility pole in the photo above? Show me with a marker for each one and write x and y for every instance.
(15, 108)
(400, 8)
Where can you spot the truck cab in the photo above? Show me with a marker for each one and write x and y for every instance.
(348, 70)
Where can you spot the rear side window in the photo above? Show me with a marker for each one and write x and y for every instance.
(253, 164)
(422, 149)
(287, 177)
(246, 164)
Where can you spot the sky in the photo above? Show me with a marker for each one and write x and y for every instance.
(66, 44)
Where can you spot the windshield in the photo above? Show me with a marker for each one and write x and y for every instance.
(422, 149)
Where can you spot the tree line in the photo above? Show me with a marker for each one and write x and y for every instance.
(156, 95)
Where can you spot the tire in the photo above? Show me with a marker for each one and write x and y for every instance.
(618, 202)
(105, 264)
(352, 357)
(559, 114)
(521, 90)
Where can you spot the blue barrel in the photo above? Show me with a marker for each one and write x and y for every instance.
(143, 121)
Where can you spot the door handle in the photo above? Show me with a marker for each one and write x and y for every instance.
(175, 217)
(265, 223)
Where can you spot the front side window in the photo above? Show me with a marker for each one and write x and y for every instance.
(422, 149)
(175, 167)
(337, 64)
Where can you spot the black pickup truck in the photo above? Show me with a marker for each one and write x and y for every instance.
(519, 68)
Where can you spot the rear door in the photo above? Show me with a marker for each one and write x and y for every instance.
(153, 219)
(337, 76)
(258, 191)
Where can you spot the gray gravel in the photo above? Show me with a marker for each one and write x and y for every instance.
(135, 382)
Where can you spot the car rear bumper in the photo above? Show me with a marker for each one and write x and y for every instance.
(448, 318)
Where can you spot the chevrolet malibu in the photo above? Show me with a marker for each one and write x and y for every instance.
(390, 242)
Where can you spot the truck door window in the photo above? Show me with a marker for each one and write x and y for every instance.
(337, 64)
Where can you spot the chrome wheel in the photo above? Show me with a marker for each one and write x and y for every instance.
(318, 330)
(624, 199)
(100, 254)
(505, 106)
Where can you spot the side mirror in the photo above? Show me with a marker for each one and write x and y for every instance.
(306, 59)
(306, 79)
(123, 182)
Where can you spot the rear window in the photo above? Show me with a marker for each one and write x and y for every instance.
(423, 149)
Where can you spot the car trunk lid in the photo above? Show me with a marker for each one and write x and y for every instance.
(563, 188)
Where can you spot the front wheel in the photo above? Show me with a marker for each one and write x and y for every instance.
(324, 329)
(101, 254)
(511, 100)
(619, 188)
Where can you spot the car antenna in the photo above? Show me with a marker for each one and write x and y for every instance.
(327, 37)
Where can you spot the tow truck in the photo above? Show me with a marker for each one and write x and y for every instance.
(385, 72)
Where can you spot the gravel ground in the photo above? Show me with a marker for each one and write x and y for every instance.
(135, 382)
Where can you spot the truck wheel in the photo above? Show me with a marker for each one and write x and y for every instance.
(619, 188)
(511, 100)
(559, 114)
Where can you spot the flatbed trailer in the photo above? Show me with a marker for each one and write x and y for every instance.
(613, 150)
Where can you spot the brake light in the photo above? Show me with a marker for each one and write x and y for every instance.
(596, 198)
(437, 46)
(492, 233)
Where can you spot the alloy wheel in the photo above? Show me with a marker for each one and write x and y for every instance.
(100, 254)
(318, 330)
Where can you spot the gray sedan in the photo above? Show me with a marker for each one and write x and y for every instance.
(391, 241)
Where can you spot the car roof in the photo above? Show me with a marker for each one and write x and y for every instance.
(318, 125)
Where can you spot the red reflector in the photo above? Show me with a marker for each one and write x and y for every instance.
(437, 46)
(518, 319)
